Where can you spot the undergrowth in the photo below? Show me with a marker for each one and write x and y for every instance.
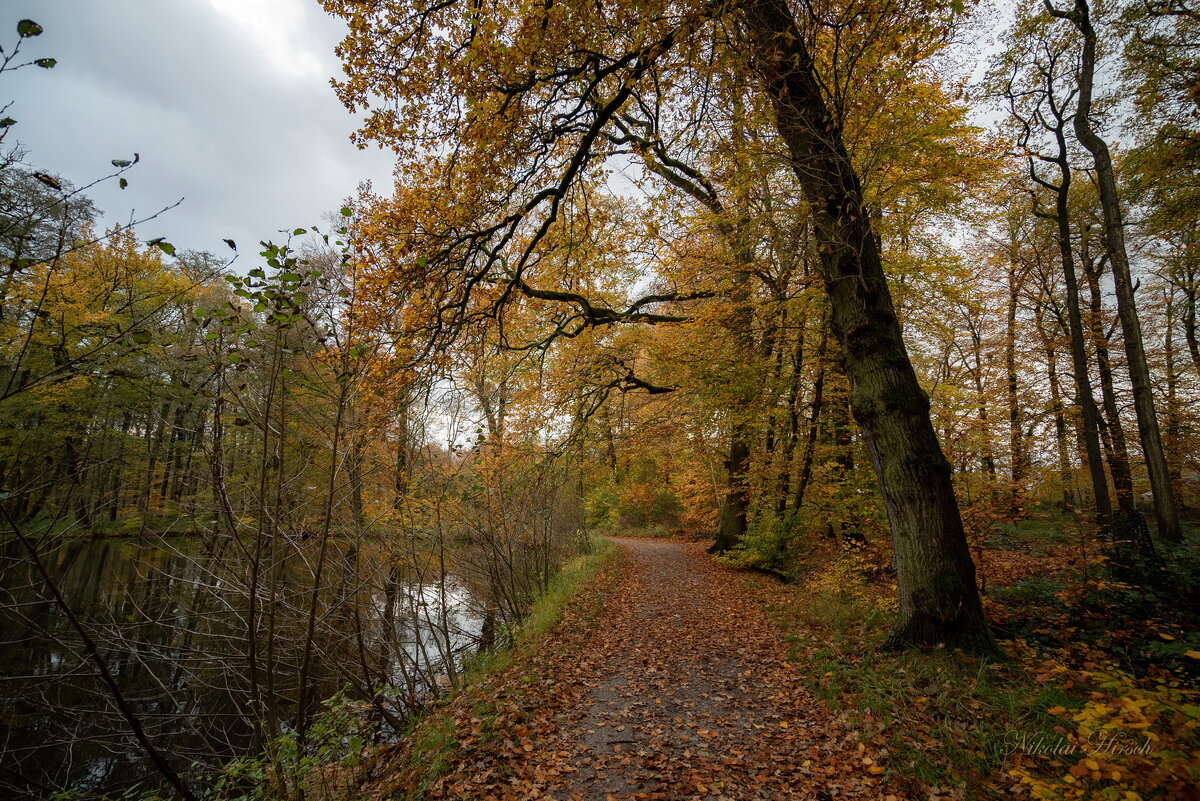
(432, 741)
(1060, 718)
(337, 763)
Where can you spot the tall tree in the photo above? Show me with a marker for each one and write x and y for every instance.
(542, 85)
(1040, 105)
(938, 597)
(1165, 508)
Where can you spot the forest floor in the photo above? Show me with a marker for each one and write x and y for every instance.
(664, 680)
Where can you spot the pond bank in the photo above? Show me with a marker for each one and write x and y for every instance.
(494, 687)
(664, 679)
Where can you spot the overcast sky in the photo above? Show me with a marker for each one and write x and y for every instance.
(227, 101)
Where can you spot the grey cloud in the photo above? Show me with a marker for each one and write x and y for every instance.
(253, 150)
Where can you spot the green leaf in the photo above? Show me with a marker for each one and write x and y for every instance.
(7, 121)
(346, 211)
(163, 245)
(212, 335)
(261, 306)
(289, 276)
(141, 337)
(122, 183)
(121, 163)
(300, 232)
(27, 28)
(46, 63)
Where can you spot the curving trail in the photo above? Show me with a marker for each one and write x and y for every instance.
(685, 692)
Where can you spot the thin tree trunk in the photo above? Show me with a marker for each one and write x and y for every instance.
(1173, 426)
(357, 504)
(1188, 321)
(402, 453)
(1086, 401)
(735, 507)
(814, 422)
(1118, 460)
(1060, 418)
(793, 427)
(1114, 238)
(1016, 430)
(986, 455)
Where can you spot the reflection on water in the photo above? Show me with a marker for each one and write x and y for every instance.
(172, 621)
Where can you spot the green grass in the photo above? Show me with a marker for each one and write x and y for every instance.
(1034, 534)
(945, 718)
(433, 746)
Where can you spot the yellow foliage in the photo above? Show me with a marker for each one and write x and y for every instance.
(1137, 740)
(848, 574)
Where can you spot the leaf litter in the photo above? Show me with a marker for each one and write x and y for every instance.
(663, 680)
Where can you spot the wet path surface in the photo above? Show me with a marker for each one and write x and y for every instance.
(687, 693)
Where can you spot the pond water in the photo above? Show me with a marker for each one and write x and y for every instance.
(172, 620)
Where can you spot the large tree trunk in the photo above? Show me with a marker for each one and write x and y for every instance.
(1114, 238)
(735, 507)
(939, 602)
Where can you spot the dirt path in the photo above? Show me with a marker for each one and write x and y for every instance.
(686, 693)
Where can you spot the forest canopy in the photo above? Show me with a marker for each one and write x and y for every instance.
(895, 300)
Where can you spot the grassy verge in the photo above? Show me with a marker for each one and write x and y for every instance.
(944, 719)
(433, 742)
(1061, 722)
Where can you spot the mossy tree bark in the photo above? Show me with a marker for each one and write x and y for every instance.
(735, 507)
(939, 601)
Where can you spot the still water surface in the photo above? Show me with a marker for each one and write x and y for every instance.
(171, 618)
